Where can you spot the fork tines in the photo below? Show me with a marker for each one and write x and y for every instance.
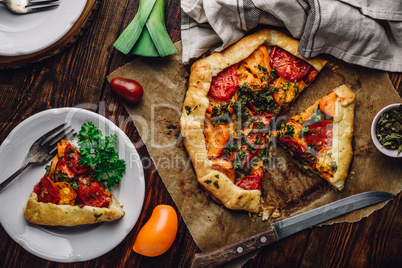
(40, 5)
(55, 135)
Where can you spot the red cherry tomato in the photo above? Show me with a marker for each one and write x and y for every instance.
(293, 145)
(319, 134)
(72, 157)
(158, 233)
(127, 89)
(287, 65)
(252, 181)
(93, 194)
(224, 85)
(47, 191)
(299, 150)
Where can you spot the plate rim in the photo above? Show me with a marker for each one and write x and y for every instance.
(56, 47)
(141, 181)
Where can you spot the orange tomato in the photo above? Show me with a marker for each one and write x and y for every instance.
(216, 138)
(67, 193)
(327, 104)
(225, 167)
(53, 165)
(158, 233)
(61, 148)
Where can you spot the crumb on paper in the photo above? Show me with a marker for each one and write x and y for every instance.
(265, 212)
(336, 69)
(253, 216)
(277, 213)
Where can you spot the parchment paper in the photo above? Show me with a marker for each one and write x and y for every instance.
(290, 189)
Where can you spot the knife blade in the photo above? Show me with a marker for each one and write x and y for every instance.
(287, 227)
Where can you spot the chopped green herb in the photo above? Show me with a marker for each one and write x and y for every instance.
(334, 166)
(74, 185)
(188, 110)
(389, 129)
(304, 130)
(290, 131)
(273, 73)
(47, 168)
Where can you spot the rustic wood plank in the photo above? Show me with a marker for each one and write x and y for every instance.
(77, 77)
(368, 243)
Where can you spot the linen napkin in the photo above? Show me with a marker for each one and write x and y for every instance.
(361, 32)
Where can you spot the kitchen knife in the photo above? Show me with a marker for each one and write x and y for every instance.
(287, 227)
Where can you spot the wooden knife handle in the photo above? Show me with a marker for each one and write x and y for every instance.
(235, 249)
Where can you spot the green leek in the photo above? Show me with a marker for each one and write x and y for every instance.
(157, 29)
(130, 35)
(146, 35)
(145, 46)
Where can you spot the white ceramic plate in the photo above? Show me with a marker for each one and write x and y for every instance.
(30, 33)
(65, 244)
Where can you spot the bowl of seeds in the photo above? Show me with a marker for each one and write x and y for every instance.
(386, 130)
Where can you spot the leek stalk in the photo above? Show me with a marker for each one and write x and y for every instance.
(146, 35)
(145, 46)
(157, 29)
(130, 35)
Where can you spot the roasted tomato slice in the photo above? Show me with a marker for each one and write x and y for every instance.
(252, 181)
(72, 158)
(67, 193)
(92, 194)
(293, 145)
(319, 135)
(225, 167)
(62, 166)
(216, 138)
(287, 65)
(299, 150)
(327, 104)
(224, 85)
(47, 191)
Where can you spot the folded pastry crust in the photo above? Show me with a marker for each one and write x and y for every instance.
(67, 215)
(196, 104)
(342, 151)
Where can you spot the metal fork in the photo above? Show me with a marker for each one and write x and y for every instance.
(29, 6)
(42, 150)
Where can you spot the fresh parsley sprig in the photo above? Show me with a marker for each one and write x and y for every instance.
(100, 154)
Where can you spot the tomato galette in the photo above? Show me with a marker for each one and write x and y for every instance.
(321, 136)
(233, 97)
(68, 194)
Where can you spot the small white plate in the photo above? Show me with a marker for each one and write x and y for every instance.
(65, 244)
(382, 149)
(30, 33)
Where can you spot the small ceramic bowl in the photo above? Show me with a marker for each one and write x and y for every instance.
(388, 152)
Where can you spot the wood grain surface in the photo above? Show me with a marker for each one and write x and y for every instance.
(76, 77)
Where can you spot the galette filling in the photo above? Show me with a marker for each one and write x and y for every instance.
(244, 99)
(309, 136)
(67, 182)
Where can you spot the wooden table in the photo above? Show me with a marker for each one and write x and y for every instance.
(78, 75)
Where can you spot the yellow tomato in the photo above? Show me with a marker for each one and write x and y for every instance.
(158, 233)
(67, 194)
